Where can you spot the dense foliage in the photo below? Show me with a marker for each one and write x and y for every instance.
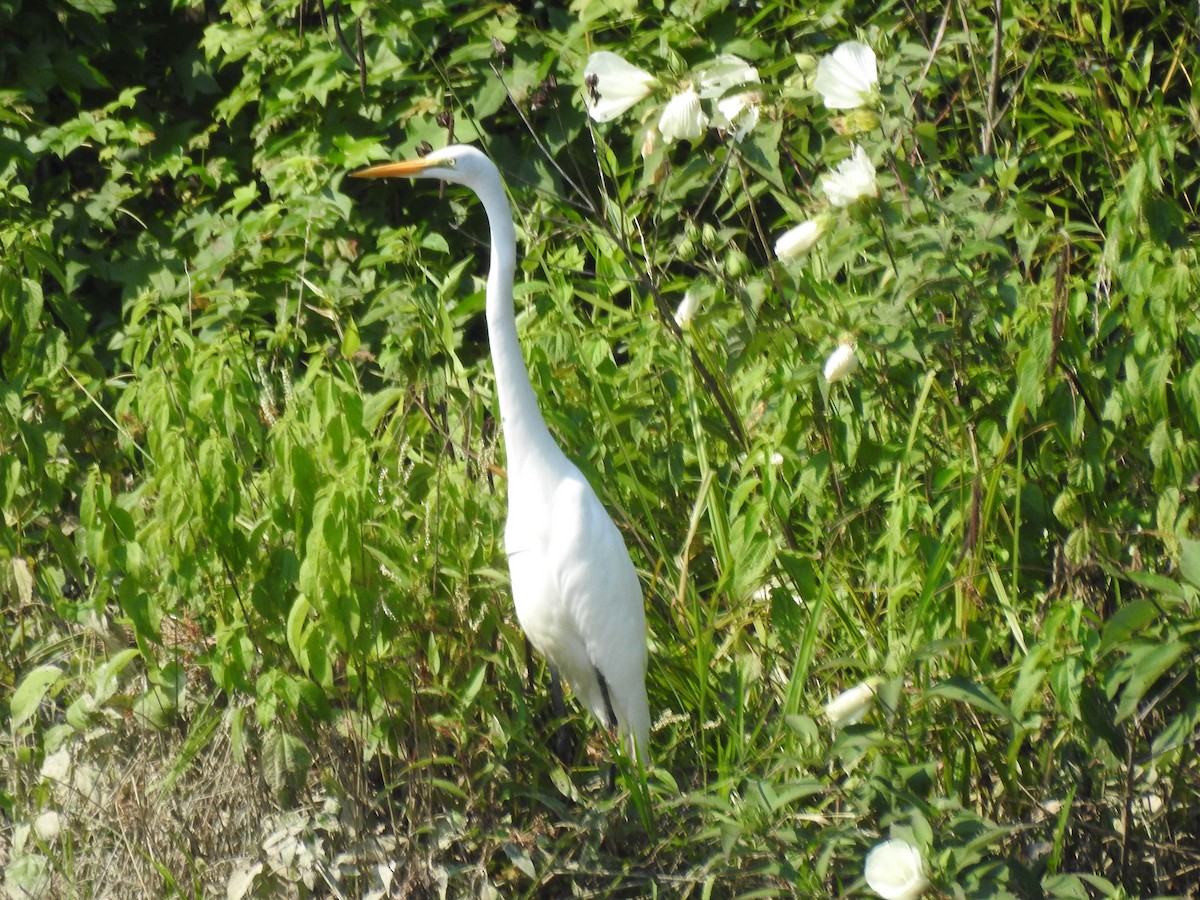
(253, 489)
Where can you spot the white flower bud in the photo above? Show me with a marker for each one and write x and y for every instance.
(851, 706)
(797, 241)
(687, 308)
(841, 363)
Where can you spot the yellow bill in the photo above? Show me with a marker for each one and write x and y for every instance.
(407, 168)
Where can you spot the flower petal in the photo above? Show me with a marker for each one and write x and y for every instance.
(797, 241)
(736, 111)
(895, 871)
(841, 364)
(738, 114)
(853, 179)
(848, 77)
(850, 707)
(683, 119)
(718, 77)
(687, 308)
(611, 85)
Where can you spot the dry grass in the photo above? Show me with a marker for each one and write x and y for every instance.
(131, 811)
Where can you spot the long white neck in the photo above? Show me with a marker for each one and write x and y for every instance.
(526, 437)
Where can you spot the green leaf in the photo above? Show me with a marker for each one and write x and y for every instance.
(1155, 582)
(296, 620)
(473, 685)
(378, 404)
(519, 857)
(927, 140)
(1139, 671)
(317, 666)
(1178, 732)
(285, 762)
(1031, 370)
(97, 8)
(1030, 680)
(1189, 560)
(105, 679)
(1068, 887)
(966, 691)
(27, 875)
(157, 707)
(1126, 622)
(350, 340)
(30, 692)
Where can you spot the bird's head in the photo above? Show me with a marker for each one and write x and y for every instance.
(458, 164)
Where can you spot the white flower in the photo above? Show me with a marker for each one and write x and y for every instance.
(847, 78)
(723, 74)
(853, 178)
(738, 115)
(841, 363)
(895, 871)
(737, 111)
(683, 119)
(797, 241)
(687, 308)
(851, 707)
(611, 85)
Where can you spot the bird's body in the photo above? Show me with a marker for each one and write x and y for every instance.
(576, 592)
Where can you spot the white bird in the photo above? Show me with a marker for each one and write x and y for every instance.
(574, 586)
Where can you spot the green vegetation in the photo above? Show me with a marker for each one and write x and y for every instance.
(257, 634)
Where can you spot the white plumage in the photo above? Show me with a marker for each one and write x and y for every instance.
(576, 592)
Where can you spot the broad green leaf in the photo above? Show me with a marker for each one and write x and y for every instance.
(285, 761)
(520, 858)
(97, 8)
(157, 707)
(1130, 619)
(30, 693)
(1189, 560)
(471, 690)
(1030, 680)
(1032, 371)
(1178, 732)
(350, 340)
(296, 621)
(107, 676)
(316, 662)
(970, 692)
(1139, 672)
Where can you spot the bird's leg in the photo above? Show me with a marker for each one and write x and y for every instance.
(611, 778)
(563, 742)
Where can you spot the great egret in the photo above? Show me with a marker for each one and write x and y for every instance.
(573, 583)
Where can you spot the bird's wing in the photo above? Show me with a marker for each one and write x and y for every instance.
(599, 590)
